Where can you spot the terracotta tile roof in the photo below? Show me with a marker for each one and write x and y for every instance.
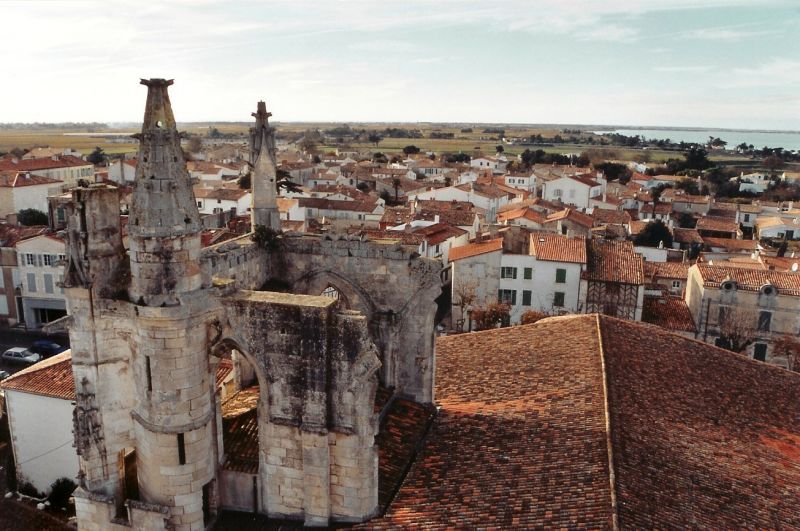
(62, 161)
(17, 179)
(774, 221)
(438, 233)
(670, 270)
(697, 437)
(557, 248)
(636, 226)
(780, 263)
(686, 236)
(519, 441)
(10, 235)
(571, 214)
(603, 215)
(731, 244)
(613, 261)
(720, 429)
(285, 204)
(474, 249)
(399, 236)
(453, 212)
(240, 431)
(716, 224)
(668, 312)
(397, 215)
(367, 205)
(224, 194)
(750, 279)
(224, 369)
(51, 377)
(585, 178)
(401, 433)
(741, 261)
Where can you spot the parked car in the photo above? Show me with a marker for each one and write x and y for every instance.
(20, 356)
(46, 348)
(4, 375)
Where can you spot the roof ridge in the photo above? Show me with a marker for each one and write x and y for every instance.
(612, 478)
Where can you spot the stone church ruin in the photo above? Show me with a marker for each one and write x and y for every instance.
(197, 392)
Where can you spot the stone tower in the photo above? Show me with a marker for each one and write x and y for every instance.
(164, 224)
(264, 180)
(175, 412)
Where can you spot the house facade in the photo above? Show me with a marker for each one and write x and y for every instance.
(40, 275)
(759, 304)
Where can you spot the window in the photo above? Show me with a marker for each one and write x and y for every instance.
(31, 282)
(527, 273)
(149, 373)
(507, 296)
(760, 351)
(764, 321)
(48, 259)
(508, 272)
(199, 204)
(30, 259)
(558, 298)
(561, 276)
(746, 218)
(676, 283)
(557, 192)
(48, 283)
(181, 450)
(526, 297)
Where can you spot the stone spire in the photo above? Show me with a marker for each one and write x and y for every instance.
(163, 200)
(164, 224)
(264, 176)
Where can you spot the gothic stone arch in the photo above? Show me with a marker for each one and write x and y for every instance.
(391, 285)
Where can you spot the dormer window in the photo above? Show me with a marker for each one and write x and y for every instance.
(768, 290)
(728, 285)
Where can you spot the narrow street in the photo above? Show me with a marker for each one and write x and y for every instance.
(12, 337)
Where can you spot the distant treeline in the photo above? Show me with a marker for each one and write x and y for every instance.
(89, 126)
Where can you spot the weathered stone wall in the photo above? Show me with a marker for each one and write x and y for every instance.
(98, 513)
(240, 260)
(391, 285)
(317, 368)
(99, 337)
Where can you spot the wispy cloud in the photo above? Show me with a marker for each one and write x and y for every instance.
(779, 72)
(681, 69)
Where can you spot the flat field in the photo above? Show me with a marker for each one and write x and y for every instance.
(470, 142)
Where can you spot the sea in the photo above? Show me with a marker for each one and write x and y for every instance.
(788, 140)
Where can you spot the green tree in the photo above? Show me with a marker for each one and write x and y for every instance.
(375, 138)
(499, 149)
(410, 150)
(30, 217)
(654, 234)
(97, 156)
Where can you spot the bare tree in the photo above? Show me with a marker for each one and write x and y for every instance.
(491, 316)
(737, 328)
(788, 347)
(464, 296)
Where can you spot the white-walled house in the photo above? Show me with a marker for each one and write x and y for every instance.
(547, 280)
(778, 227)
(122, 171)
(572, 189)
(497, 164)
(20, 191)
(39, 401)
(216, 200)
(485, 196)
(41, 271)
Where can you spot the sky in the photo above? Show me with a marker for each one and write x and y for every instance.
(692, 63)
